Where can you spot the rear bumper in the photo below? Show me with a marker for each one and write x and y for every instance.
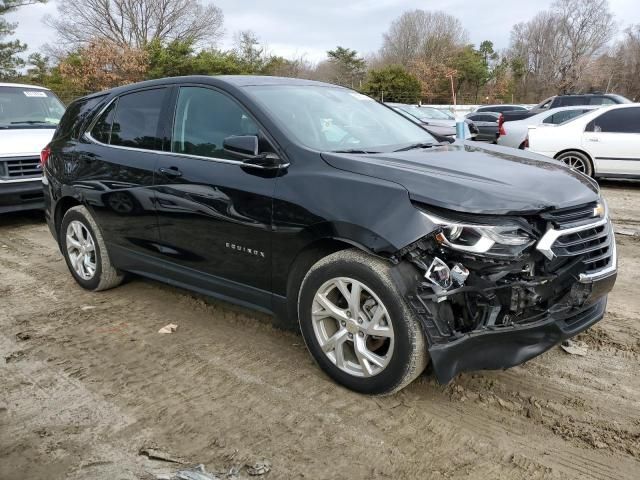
(23, 195)
(506, 347)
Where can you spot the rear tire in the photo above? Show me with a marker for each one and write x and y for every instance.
(372, 345)
(577, 161)
(85, 252)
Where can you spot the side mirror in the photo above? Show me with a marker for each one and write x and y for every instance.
(242, 145)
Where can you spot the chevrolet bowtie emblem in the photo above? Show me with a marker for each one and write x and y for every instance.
(598, 211)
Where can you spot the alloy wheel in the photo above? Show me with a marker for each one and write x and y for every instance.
(576, 163)
(352, 327)
(81, 250)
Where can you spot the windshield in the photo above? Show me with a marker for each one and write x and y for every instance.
(29, 108)
(426, 113)
(337, 119)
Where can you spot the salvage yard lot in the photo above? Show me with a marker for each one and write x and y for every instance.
(87, 382)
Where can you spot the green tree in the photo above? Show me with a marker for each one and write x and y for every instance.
(173, 60)
(392, 84)
(38, 70)
(472, 72)
(348, 67)
(10, 62)
(486, 50)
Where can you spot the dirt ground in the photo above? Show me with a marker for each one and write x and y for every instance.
(86, 382)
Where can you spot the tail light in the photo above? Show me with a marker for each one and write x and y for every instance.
(44, 156)
(525, 144)
(501, 130)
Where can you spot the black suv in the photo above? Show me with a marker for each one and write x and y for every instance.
(320, 205)
(566, 101)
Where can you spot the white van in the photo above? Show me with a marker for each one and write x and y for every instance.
(28, 117)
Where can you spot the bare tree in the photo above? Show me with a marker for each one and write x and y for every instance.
(624, 65)
(557, 47)
(135, 23)
(585, 26)
(425, 36)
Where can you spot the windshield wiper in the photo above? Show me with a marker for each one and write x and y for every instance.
(32, 122)
(413, 146)
(353, 150)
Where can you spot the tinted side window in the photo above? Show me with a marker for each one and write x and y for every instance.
(101, 131)
(561, 117)
(572, 100)
(137, 119)
(204, 118)
(623, 120)
(604, 101)
(76, 116)
(546, 104)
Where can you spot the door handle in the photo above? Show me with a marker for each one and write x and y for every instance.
(593, 139)
(170, 172)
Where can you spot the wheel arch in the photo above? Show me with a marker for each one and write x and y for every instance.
(62, 206)
(304, 259)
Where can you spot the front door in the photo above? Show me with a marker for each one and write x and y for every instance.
(214, 213)
(613, 140)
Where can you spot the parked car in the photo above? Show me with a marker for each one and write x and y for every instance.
(500, 108)
(515, 133)
(489, 125)
(434, 120)
(601, 143)
(28, 117)
(331, 211)
(572, 100)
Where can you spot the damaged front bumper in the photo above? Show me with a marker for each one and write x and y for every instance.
(508, 346)
(506, 311)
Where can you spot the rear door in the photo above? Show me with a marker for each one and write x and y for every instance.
(116, 164)
(214, 212)
(613, 140)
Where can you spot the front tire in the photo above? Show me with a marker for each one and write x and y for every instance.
(577, 161)
(357, 326)
(85, 252)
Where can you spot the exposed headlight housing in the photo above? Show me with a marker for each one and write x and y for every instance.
(507, 239)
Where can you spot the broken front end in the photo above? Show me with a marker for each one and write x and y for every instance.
(495, 291)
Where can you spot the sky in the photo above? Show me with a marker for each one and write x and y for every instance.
(294, 28)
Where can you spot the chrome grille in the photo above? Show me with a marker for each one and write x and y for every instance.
(579, 233)
(20, 167)
(593, 244)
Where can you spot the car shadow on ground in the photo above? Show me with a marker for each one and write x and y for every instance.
(619, 183)
(28, 217)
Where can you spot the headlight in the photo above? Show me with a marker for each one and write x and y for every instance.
(504, 240)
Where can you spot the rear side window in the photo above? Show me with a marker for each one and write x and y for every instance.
(623, 120)
(76, 117)
(562, 117)
(136, 120)
(204, 118)
(102, 129)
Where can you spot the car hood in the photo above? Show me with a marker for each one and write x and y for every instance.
(24, 141)
(468, 178)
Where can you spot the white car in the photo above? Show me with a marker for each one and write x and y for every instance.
(28, 117)
(602, 143)
(515, 133)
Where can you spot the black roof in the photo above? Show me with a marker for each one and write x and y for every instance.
(219, 80)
